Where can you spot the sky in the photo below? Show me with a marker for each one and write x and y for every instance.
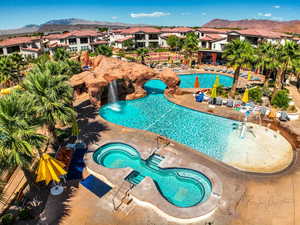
(18, 13)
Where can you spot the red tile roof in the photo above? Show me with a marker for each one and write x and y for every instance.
(212, 37)
(134, 30)
(177, 30)
(99, 42)
(124, 39)
(261, 33)
(74, 33)
(31, 49)
(212, 30)
(18, 41)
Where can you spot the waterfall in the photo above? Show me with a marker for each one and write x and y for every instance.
(113, 95)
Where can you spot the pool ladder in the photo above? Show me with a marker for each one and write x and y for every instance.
(159, 139)
(122, 194)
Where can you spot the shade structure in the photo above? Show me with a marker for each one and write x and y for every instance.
(217, 81)
(197, 84)
(245, 98)
(249, 75)
(50, 169)
(214, 92)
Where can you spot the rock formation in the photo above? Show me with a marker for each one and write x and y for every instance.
(131, 76)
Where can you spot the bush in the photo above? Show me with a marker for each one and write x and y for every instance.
(255, 94)
(24, 214)
(281, 99)
(7, 219)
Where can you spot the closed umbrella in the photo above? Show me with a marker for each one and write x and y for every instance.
(217, 81)
(245, 98)
(249, 75)
(197, 84)
(214, 92)
(50, 169)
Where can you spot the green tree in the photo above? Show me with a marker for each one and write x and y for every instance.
(190, 45)
(51, 98)
(10, 70)
(142, 53)
(265, 60)
(20, 142)
(175, 43)
(61, 54)
(128, 44)
(104, 50)
(281, 99)
(239, 54)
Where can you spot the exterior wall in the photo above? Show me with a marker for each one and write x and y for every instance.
(219, 45)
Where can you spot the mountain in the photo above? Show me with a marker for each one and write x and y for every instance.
(292, 26)
(63, 25)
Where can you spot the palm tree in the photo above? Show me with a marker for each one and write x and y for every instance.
(61, 54)
(265, 60)
(104, 50)
(2, 185)
(9, 71)
(239, 54)
(286, 55)
(190, 45)
(51, 98)
(20, 142)
(142, 53)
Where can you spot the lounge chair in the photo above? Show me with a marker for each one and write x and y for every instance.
(230, 103)
(263, 111)
(219, 101)
(255, 79)
(284, 117)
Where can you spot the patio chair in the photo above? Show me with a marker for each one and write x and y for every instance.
(230, 103)
(284, 117)
(219, 101)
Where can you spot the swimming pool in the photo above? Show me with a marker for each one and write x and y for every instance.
(203, 132)
(180, 186)
(206, 80)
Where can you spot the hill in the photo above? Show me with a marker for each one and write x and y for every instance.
(292, 26)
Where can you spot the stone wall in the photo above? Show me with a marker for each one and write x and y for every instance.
(132, 75)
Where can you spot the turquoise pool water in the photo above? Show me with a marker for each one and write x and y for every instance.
(180, 186)
(200, 131)
(206, 80)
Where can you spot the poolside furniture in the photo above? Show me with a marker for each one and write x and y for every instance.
(284, 117)
(230, 103)
(200, 97)
(255, 79)
(219, 101)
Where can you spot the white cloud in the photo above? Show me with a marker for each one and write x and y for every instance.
(265, 14)
(185, 14)
(276, 6)
(154, 14)
(114, 17)
(204, 14)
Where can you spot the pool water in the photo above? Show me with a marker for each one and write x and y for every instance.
(203, 132)
(180, 186)
(206, 80)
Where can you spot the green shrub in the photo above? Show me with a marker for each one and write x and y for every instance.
(24, 214)
(255, 94)
(7, 219)
(281, 99)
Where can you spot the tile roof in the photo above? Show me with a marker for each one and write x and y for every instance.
(134, 30)
(74, 33)
(212, 30)
(124, 39)
(99, 42)
(261, 33)
(177, 30)
(56, 45)
(212, 37)
(18, 41)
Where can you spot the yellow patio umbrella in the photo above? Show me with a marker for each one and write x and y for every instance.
(214, 92)
(217, 81)
(5, 91)
(50, 169)
(272, 114)
(249, 75)
(245, 98)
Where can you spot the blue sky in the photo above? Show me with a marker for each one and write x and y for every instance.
(17, 13)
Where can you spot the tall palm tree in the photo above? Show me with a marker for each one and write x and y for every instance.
(51, 98)
(20, 142)
(142, 53)
(190, 45)
(287, 55)
(61, 54)
(104, 50)
(265, 60)
(239, 54)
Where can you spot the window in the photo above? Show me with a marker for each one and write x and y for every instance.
(140, 44)
(13, 49)
(153, 36)
(72, 41)
(1, 51)
(202, 35)
(84, 40)
(214, 46)
(73, 49)
(61, 41)
(140, 36)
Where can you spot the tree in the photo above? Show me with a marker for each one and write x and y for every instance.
(104, 50)
(239, 54)
(287, 55)
(265, 60)
(51, 98)
(10, 70)
(142, 53)
(61, 54)
(175, 43)
(128, 44)
(190, 45)
(20, 142)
